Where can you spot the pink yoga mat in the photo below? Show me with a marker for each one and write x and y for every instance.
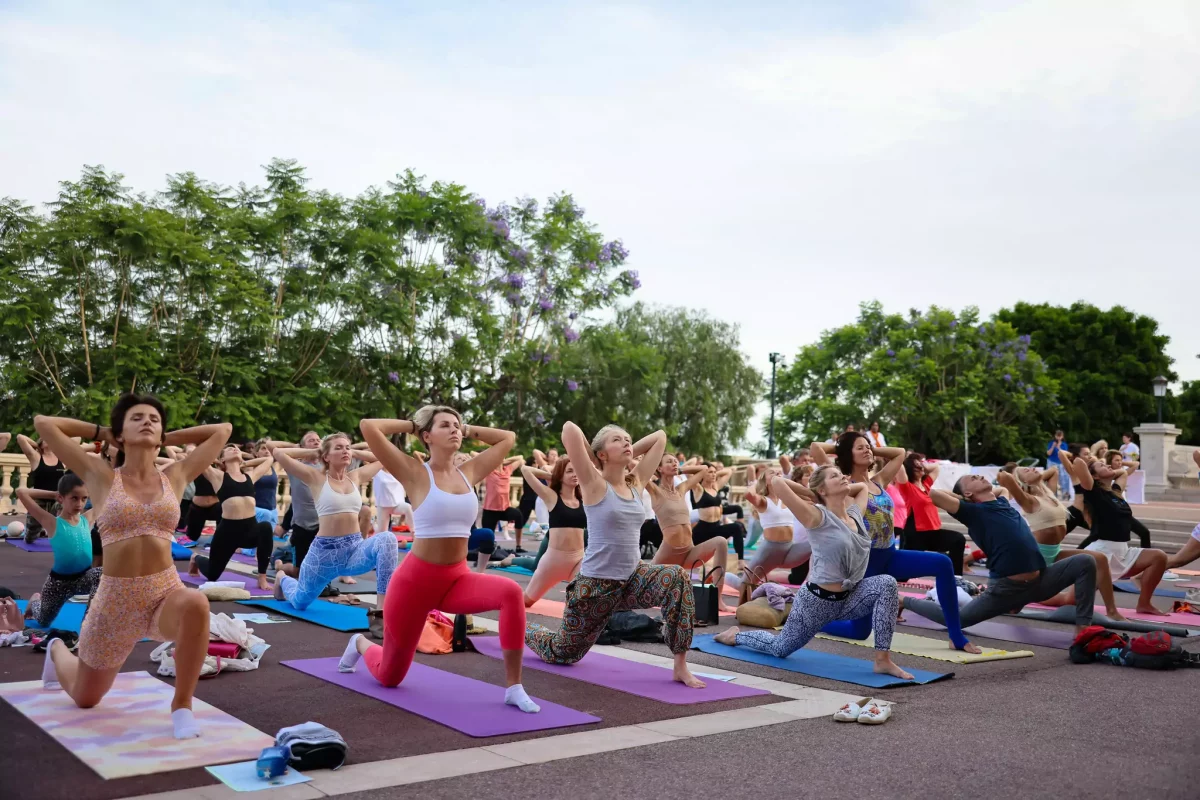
(623, 675)
(38, 546)
(251, 584)
(464, 704)
(1186, 620)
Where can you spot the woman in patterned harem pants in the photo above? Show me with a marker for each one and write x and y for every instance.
(592, 601)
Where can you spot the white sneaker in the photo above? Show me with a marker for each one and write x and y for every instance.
(875, 714)
(848, 713)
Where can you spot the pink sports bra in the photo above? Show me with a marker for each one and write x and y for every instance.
(125, 518)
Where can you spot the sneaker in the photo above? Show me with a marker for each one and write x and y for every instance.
(848, 713)
(520, 551)
(875, 714)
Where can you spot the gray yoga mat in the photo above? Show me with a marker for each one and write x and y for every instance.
(1066, 614)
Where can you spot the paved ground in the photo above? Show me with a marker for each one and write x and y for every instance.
(1038, 727)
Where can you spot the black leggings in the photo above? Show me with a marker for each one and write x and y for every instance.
(196, 518)
(703, 531)
(301, 539)
(513, 515)
(232, 534)
(651, 534)
(184, 507)
(1135, 526)
(732, 508)
(951, 543)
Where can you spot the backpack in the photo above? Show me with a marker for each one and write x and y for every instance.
(1155, 643)
(631, 626)
(1094, 640)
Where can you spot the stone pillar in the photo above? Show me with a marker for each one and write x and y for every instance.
(1157, 439)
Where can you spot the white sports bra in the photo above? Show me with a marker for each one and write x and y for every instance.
(443, 515)
(331, 501)
(777, 515)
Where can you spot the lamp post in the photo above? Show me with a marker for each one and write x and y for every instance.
(775, 360)
(1160, 391)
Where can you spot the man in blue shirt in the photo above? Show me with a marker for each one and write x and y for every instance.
(1057, 445)
(1019, 574)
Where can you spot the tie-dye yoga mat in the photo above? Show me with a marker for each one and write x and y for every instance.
(129, 733)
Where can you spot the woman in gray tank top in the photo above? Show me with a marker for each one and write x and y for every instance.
(612, 577)
(836, 587)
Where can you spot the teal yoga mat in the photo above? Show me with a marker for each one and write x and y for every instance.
(70, 616)
(1159, 591)
(515, 570)
(321, 612)
(818, 664)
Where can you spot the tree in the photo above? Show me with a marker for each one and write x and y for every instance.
(918, 376)
(1105, 362)
(673, 368)
(1184, 410)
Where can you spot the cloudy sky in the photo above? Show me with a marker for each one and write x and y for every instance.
(950, 153)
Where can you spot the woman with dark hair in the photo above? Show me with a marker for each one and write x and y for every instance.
(566, 537)
(710, 508)
(924, 529)
(45, 471)
(239, 525)
(678, 546)
(140, 593)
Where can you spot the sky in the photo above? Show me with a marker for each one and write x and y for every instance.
(774, 164)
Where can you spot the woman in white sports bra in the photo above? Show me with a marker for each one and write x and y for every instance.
(435, 575)
(339, 547)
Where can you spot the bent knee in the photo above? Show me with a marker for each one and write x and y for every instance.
(193, 601)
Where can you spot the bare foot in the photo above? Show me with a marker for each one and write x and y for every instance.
(1115, 614)
(885, 666)
(974, 649)
(722, 606)
(263, 584)
(192, 568)
(346, 579)
(727, 636)
(1150, 610)
(682, 674)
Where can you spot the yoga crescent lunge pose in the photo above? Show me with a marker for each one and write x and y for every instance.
(855, 457)
(1046, 516)
(670, 508)
(339, 547)
(711, 510)
(45, 470)
(434, 575)
(780, 548)
(837, 585)
(564, 551)
(71, 541)
(612, 577)
(923, 529)
(239, 525)
(1018, 573)
(140, 592)
(1112, 521)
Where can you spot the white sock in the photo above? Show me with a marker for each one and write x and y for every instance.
(515, 696)
(49, 676)
(184, 724)
(349, 659)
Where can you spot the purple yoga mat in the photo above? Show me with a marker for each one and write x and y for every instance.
(623, 675)
(251, 584)
(464, 704)
(1003, 631)
(38, 546)
(242, 558)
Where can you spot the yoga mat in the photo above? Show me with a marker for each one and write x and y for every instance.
(464, 704)
(818, 664)
(242, 558)
(1002, 631)
(623, 675)
(1188, 620)
(251, 584)
(1159, 591)
(129, 732)
(180, 553)
(547, 608)
(1186, 571)
(1067, 614)
(937, 649)
(321, 612)
(515, 570)
(364, 585)
(38, 546)
(70, 617)
(243, 777)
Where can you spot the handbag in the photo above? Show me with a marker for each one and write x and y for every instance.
(707, 596)
(224, 649)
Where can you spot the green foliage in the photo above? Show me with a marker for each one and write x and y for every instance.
(1183, 409)
(918, 375)
(1104, 362)
(279, 308)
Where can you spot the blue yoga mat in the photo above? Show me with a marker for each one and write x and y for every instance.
(1159, 591)
(70, 617)
(515, 570)
(818, 664)
(321, 612)
(180, 553)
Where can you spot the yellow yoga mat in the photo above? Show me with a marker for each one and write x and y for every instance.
(937, 649)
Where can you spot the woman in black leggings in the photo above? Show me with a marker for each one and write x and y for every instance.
(923, 530)
(238, 526)
(710, 508)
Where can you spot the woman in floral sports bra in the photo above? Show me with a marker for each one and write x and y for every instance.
(855, 456)
(140, 593)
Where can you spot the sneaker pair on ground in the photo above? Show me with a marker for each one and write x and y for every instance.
(868, 713)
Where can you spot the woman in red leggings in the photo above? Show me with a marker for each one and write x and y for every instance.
(435, 575)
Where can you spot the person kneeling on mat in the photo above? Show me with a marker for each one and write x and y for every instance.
(1019, 574)
(836, 588)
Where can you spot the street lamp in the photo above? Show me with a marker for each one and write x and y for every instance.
(776, 359)
(1160, 391)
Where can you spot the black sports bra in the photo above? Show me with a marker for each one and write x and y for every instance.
(707, 500)
(231, 488)
(204, 487)
(563, 516)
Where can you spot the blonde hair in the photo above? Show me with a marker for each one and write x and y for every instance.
(800, 471)
(602, 434)
(423, 419)
(327, 445)
(818, 480)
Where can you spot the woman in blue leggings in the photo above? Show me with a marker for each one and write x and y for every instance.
(855, 456)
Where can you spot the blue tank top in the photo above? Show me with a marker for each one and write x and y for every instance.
(72, 546)
(265, 489)
(879, 518)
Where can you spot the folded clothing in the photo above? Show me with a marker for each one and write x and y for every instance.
(311, 745)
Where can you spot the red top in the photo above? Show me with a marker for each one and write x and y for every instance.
(920, 507)
(496, 488)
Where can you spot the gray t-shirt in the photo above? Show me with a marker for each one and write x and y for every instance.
(839, 554)
(614, 527)
(304, 507)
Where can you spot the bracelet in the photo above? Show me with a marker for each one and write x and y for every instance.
(96, 435)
